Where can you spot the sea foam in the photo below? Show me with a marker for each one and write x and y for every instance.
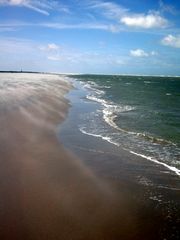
(146, 144)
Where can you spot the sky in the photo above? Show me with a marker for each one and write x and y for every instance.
(91, 36)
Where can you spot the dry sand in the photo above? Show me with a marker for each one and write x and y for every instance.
(45, 191)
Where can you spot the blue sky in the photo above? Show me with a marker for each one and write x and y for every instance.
(91, 36)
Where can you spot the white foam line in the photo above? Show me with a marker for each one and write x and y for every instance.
(109, 119)
(174, 169)
(109, 116)
(171, 188)
(108, 139)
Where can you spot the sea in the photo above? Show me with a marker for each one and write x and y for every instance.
(140, 114)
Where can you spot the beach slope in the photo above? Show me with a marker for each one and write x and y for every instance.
(46, 192)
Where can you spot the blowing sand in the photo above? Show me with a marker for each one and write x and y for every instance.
(45, 191)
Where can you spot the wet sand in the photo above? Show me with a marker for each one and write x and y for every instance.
(48, 192)
(151, 191)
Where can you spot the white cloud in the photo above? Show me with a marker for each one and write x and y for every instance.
(154, 53)
(167, 8)
(142, 53)
(124, 16)
(23, 54)
(53, 52)
(16, 2)
(145, 21)
(96, 26)
(172, 41)
(53, 46)
(50, 48)
(118, 17)
(54, 58)
(109, 9)
(56, 25)
(38, 6)
(138, 53)
(41, 6)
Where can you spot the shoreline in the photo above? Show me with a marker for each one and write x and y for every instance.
(71, 186)
(105, 107)
(104, 115)
(30, 110)
(46, 191)
(77, 97)
(70, 74)
(143, 183)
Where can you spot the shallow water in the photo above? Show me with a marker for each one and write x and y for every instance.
(140, 114)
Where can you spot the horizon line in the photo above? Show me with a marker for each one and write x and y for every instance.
(75, 73)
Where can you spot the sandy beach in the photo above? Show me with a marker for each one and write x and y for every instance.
(48, 192)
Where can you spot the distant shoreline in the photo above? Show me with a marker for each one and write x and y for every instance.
(25, 72)
(94, 74)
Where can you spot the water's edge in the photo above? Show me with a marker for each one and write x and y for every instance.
(89, 107)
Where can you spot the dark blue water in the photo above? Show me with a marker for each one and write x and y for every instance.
(140, 114)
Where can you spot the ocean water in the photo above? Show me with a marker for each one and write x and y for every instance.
(141, 114)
